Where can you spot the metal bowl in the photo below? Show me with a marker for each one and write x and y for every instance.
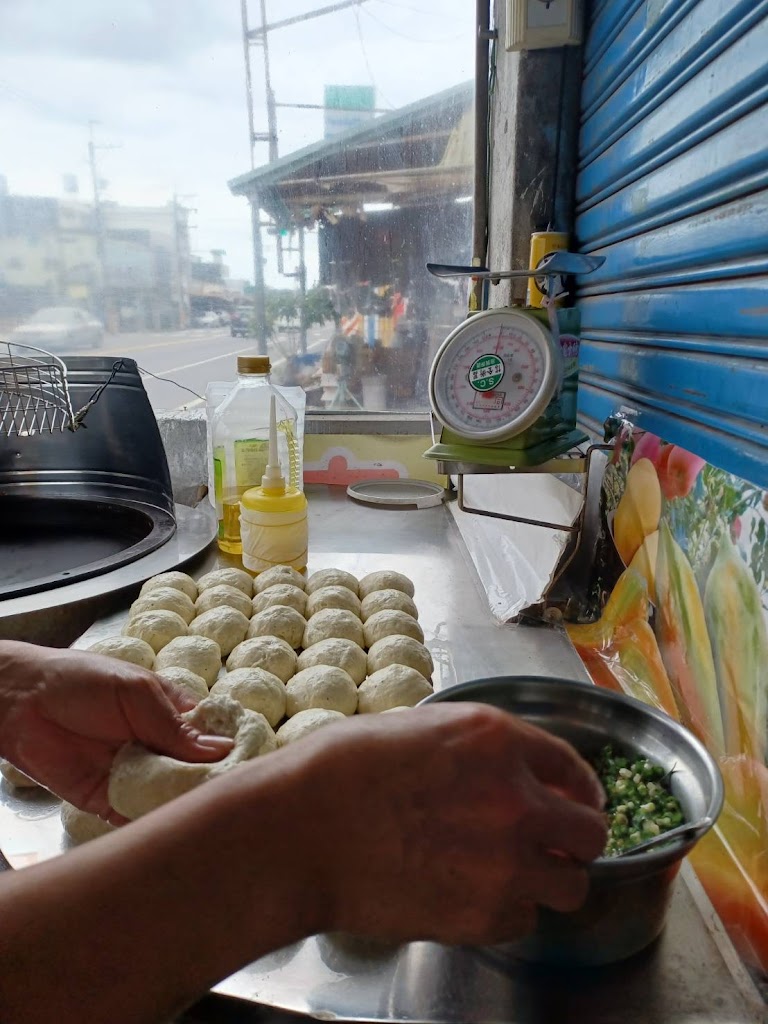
(629, 897)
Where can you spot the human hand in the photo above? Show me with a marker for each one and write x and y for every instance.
(65, 713)
(451, 823)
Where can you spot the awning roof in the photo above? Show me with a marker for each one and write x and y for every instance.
(420, 153)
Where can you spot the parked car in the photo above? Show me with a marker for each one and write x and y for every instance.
(240, 322)
(63, 328)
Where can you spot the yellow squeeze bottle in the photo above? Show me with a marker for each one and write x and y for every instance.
(273, 517)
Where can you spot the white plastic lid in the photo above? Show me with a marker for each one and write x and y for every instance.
(399, 493)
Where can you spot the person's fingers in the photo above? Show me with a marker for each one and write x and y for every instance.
(555, 881)
(557, 764)
(571, 828)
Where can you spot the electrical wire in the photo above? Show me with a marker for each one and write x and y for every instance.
(412, 39)
(389, 103)
(169, 380)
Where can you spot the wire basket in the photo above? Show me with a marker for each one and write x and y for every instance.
(34, 397)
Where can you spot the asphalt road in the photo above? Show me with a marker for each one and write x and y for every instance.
(190, 359)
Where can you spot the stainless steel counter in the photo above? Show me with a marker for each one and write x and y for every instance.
(690, 976)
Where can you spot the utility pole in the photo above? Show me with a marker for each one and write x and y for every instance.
(101, 260)
(181, 246)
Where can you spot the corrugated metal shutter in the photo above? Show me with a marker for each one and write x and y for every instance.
(673, 190)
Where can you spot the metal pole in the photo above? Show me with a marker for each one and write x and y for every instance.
(480, 223)
(302, 274)
(320, 12)
(271, 110)
(101, 274)
(259, 297)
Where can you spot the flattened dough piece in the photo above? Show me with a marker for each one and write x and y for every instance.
(126, 648)
(268, 652)
(391, 623)
(278, 574)
(385, 579)
(333, 597)
(281, 594)
(224, 625)
(140, 780)
(223, 596)
(321, 687)
(197, 653)
(164, 599)
(280, 621)
(256, 690)
(228, 576)
(177, 580)
(81, 826)
(16, 777)
(387, 600)
(392, 687)
(332, 578)
(400, 650)
(337, 653)
(333, 623)
(305, 722)
(157, 628)
(190, 682)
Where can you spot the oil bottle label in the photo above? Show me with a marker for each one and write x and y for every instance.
(218, 480)
(250, 462)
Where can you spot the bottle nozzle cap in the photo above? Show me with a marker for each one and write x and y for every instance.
(253, 364)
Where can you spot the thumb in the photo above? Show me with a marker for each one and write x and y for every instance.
(158, 725)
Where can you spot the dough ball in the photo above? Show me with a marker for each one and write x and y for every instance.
(281, 594)
(321, 687)
(81, 826)
(278, 574)
(15, 777)
(197, 653)
(391, 623)
(223, 596)
(126, 648)
(305, 722)
(176, 580)
(230, 577)
(140, 780)
(334, 623)
(280, 621)
(333, 597)
(256, 690)
(268, 652)
(337, 653)
(332, 578)
(190, 682)
(226, 626)
(164, 599)
(387, 600)
(157, 628)
(400, 650)
(392, 687)
(386, 579)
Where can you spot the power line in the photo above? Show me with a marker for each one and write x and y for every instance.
(413, 39)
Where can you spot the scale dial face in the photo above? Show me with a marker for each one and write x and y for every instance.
(494, 375)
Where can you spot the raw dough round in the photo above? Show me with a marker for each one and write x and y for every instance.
(331, 578)
(305, 722)
(391, 623)
(81, 826)
(281, 594)
(192, 684)
(278, 574)
(392, 687)
(164, 599)
(385, 579)
(227, 626)
(177, 580)
(400, 650)
(256, 690)
(126, 648)
(387, 600)
(321, 687)
(140, 780)
(230, 577)
(280, 621)
(157, 628)
(223, 596)
(337, 653)
(333, 597)
(15, 777)
(334, 622)
(197, 653)
(268, 652)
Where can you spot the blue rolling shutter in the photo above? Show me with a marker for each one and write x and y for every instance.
(673, 190)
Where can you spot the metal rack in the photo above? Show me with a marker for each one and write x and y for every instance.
(34, 396)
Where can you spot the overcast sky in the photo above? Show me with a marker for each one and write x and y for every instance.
(165, 81)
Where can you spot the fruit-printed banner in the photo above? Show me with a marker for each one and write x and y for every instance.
(680, 610)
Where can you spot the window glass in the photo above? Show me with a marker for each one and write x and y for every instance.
(136, 154)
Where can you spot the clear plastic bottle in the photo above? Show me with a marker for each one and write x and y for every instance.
(240, 444)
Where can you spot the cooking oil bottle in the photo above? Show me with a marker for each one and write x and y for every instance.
(240, 444)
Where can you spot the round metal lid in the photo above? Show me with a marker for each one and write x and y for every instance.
(399, 493)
